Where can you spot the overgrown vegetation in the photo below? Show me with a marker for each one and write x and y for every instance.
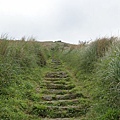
(21, 65)
(95, 65)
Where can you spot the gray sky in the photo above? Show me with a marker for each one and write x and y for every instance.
(66, 20)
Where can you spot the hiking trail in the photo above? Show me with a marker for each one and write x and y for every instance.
(60, 100)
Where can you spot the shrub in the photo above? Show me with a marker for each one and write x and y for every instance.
(16, 56)
(92, 52)
(109, 75)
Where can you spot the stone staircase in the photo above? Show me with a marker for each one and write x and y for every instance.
(59, 99)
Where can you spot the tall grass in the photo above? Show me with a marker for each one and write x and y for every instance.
(108, 78)
(87, 55)
(97, 65)
(92, 52)
(21, 64)
(16, 56)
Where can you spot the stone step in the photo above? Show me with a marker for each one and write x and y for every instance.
(59, 86)
(62, 97)
(57, 79)
(56, 62)
(61, 112)
(68, 112)
(61, 119)
(55, 91)
(57, 76)
(60, 74)
(61, 108)
(61, 102)
(63, 82)
(56, 67)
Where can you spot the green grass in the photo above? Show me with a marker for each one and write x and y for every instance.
(21, 68)
(17, 98)
(94, 68)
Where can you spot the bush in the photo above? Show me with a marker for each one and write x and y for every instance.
(92, 52)
(97, 66)
(109, 75)
(17, 56)
(85, 57)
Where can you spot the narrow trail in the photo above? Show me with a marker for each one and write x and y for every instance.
(60, 99)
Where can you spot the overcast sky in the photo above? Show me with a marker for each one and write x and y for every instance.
(66, 20)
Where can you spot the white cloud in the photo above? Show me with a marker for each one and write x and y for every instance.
(70, 20)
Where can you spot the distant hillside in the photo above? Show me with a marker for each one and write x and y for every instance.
(51, 44)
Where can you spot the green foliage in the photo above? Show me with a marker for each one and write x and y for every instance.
(97, 66)
(21, 63)
(15, 56)
(40, 110)
(108, 75)
(92, 52)
(17, 98)
(7, 74)
(86, 56)
(111, 115)
(25, 54)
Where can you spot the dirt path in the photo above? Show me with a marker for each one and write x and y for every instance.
(60, 98)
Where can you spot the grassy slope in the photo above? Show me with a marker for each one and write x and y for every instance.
(96, 66)
(22, 67)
